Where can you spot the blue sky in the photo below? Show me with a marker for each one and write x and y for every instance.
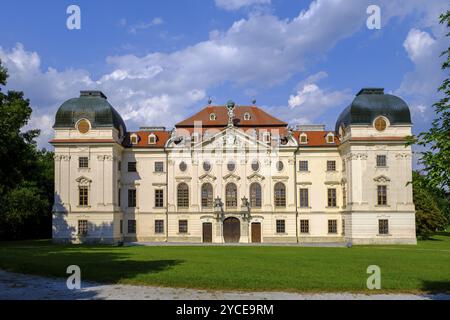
(159, 61)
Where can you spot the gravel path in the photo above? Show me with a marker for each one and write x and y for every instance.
(27, 287)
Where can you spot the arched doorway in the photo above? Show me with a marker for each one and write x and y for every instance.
(231, 230)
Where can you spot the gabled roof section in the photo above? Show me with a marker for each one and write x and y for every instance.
(161, 139)
(258, 117)
(316, 138)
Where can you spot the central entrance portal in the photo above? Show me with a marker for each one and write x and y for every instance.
(231, 230)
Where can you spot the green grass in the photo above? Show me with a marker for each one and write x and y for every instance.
(421, 268)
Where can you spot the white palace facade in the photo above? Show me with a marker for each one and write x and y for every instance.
(234, 174)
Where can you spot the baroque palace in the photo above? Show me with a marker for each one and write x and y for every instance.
(234, 174)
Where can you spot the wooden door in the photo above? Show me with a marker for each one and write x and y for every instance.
(231, 230)
(207, 232)
(256, 232)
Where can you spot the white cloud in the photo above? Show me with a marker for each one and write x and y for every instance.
(237, 4)
(311, 101)
(161, 88)
(142, 25)
(419, 45)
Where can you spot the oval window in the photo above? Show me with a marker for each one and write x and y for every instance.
(206, 166)
(280, 165)
(183, 166)
(255, 165)
(380, 124)
(83, 126)
(231, 166)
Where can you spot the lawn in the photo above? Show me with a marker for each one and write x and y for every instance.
(421, 268)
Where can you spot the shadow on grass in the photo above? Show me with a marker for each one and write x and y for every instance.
(103, 264)
(434, 287)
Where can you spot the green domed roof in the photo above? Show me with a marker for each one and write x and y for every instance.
(370, 103)
(91, 105)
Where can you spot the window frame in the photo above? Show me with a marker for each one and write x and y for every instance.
(207, 195)
(383, 227)
(302, 198)
(280, 226)
(183, 226)
(183, 195)
(331, 197)
(83, 162)
(304, 225)
(131, 226)
(83, 196)
(301, 167)
(331, 165)
(132, 166)
(132, 198)
(332, 226)
(279, 195)
(159, 167)
(231, 195)
(83, 227)
(159, 226)
(159, 198)
(255, 195)
(382, 195)
(381, 163)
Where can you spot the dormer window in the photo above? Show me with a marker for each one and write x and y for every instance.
(247, 116)
(266, 137)
(134, 139)
(303, 138)
(330, 138)
(152, 139)
(212, 117)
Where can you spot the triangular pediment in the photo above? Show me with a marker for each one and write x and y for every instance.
(232, 176)
(255, 177)
(207, 177)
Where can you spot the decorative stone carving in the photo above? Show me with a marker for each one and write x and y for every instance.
(207, 177)
(255, 177)
(231, 177)
(83, 181)
(382, 179)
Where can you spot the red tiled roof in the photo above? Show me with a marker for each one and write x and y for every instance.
(316, 138)
(161, 139)
(258, 117)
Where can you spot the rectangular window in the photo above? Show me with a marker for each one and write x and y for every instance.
(82, 227)
(304, 198)
(343, 227)
(332, 226)
(304, 226)
(83, 162)
(83, 196)
(381, 161)
(159, 226)
(281, 226)
(331, 197)
(119, 166)
(131, 166)
(383, 226)
(331, 165)
(132, 226)
(119, 197)
(182, 226)
(303, 165)
(159, 198)
(344, 197)
(121, 226)
(382, 195)
(159, 166)
(131, 198)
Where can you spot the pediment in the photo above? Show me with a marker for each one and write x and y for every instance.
(232, 138)
(83, 180)
(381, 178)
(232, 176)
(255, 177)
(207, 177)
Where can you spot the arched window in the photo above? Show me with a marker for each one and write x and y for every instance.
(212, 116)
(247, 116)
(255, 195)
(280, 194)
(183, 195)
(207, 195)
(231, 195)
(303, 138)
(330, 138)
(152, 139)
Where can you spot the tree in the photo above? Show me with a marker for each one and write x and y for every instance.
(26, 173)
(430, 208)
(436, 159)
